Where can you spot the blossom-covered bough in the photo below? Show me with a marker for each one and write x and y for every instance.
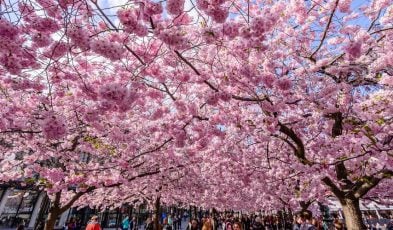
(249, 101)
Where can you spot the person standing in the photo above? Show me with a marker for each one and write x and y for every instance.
(133, 224)
(169, 222)
(125, 224)
(93, 224)
(179, 222)
(149, 224)
(193, 225)
(306, 221)
(71, 224)
(257, 224)
(237, 226)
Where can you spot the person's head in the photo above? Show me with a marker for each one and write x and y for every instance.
(207, 225)
(237, 226)
(94, 218)
(306, 216)
(194, 224)
(228, 226)
(298, 218)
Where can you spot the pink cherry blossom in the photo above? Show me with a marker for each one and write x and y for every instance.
(175, 7)
(54, 127)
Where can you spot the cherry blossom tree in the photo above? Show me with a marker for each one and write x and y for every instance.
(234, 91)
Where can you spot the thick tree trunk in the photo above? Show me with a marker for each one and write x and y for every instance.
(352, 214)
(156, 223)
(51, 220)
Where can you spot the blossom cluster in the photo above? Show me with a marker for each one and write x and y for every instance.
(41, 40)
(172, 37)
(152, 8)
(175, 7)
(214, 8)
(116, 96)
(57, 50)
(130, 20)
(79, 36)
(26, 84)
(263, 24)
(354, 50)
(7, 30)
(106, 48)
(54, 127)
(45, 25)
(9, 48)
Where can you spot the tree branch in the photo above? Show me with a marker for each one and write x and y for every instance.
(75, 198)
(299, 150)
(336, 191)
(167, 90)
(152, 150)
(325, 32)
(369, 182)
(20, 131)
(248, 98)
(115, 28)
(187, 62)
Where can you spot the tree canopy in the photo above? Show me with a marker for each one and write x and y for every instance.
(224, 103)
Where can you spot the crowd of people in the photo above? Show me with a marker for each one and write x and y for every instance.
(170, 222)
(243, 222)
(303, 220)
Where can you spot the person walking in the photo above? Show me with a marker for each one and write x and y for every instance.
(257, 224)
(149, 224)
(93, 224)
(125, 224)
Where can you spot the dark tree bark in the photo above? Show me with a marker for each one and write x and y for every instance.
(156, 223)
(346, 191)
(54, 213)
(352, 213)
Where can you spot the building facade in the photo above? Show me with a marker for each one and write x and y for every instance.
(30, 208)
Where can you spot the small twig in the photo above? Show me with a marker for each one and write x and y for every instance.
(373, 22)
(115, 28)
(325, 32)
(167, 91)
(187, 62)
(381, 30)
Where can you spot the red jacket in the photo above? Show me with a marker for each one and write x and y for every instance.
(93, 226)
